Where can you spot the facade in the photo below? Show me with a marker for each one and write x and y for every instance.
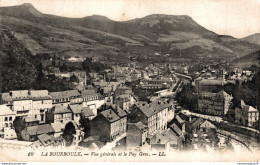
(136, 134)
(154, 115)
(166, 141)
(33, 103)
(41, 102)
(32, 133)
(65, 98)
(208, 85)
(7, 117)
(58, 114)
(214, 103)
(246, 115)
(92, 99)
(109, 125)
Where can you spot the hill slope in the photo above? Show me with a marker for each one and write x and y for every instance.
(17, 65)
(42, 33)
(254, 38)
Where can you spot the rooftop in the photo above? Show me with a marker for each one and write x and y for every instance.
(4, 110)
(153, 108)
(40, 129)
(110, 115)
(64, 94)
(61, 109)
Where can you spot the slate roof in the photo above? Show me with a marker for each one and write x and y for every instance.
(4, 110)
(176, 129)
(64, 94)
(153, 108)
(26, 95)
(58, 127)
(212, 82)
(110, 115)
(197, 122)
(207, 124)
(121, 113)
(76, 108)
(30, 119)
(165, 137)
(89, 92)
(58, 109)
(40, 129)
(87, 112)
(141, 126)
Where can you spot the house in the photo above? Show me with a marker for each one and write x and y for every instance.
(31, 121)
(108, 125)
(208, 85)
(41, 102)
(154, 115)
(136, 134)
(166, 141)
(58, 114)
(92, 99)
(46, 140)
(88, 113)
(65, 98)
(206, 126)
(195, 125)
(123, 98)
(28, 102)
(92, 143)
(7, 117)
(58, 128)
(214, 103)
(76, 110)
(246, 115)
(178, 125)
(32, 133)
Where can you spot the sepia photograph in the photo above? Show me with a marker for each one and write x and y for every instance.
(129, 81)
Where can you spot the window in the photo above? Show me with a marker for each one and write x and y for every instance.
(6, 118)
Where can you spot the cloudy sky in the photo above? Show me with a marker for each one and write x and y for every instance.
(238, 18)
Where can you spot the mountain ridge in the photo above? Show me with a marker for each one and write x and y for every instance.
(158, 32)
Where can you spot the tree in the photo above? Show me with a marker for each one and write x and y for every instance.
(40, 75)
(19, 124)
(85, 124)
(68, 133)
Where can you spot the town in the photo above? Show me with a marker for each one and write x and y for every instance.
(130, 106)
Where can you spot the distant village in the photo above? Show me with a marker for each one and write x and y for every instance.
(131, 108)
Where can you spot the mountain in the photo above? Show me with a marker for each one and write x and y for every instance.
(180, 36)
(17, 65)
(254, 38)
(248, 60)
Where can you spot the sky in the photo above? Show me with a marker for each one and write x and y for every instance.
(238, 18)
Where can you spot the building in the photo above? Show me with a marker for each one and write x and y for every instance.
(209, 85)
(154, 115)
(76, 110)
(135, 76)
(32, 103)
(246, 115)
(7, 117)
(159, 83)
(41, 102)
(65, 98)
(214, 103)
(58, 114)
(108, 125)
(123, 98)
(206, 126)
(92, 99)
(136, 134)
(166, 141)
(32, 133)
